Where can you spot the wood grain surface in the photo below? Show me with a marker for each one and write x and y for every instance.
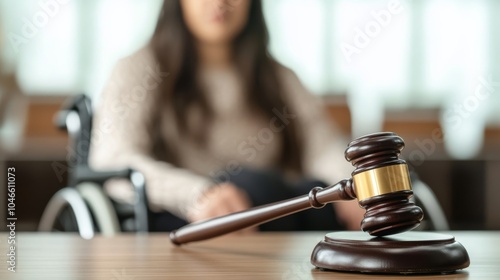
(252, 256)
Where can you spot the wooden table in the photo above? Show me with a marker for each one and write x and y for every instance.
(254, 256)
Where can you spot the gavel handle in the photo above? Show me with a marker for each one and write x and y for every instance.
(316, 198)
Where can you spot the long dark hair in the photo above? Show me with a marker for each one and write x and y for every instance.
(174, 49)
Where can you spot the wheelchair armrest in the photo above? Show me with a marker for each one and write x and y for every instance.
(87, 174)
(80, 104)
(60, 119)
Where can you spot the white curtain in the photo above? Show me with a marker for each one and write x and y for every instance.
(398, 54)
(70, 46)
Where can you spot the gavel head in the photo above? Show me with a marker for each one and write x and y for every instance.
(382, 184)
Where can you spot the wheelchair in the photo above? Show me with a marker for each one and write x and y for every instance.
(83, 206)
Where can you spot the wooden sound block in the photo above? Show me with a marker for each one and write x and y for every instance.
(405, 253)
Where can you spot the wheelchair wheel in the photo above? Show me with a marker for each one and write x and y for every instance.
(84, 209)
(101, 208)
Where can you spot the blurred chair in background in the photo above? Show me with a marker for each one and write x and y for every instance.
(491, 147)
(339, 112)
(413, 126)
(421, 129)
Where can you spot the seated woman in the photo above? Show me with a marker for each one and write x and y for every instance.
(215, 124)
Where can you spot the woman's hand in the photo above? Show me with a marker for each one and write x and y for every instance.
(223, 199)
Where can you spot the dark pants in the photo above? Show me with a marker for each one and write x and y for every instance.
(263, 187)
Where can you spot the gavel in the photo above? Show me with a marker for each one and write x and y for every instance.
(380, 183)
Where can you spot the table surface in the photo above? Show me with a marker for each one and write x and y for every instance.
(252, 256)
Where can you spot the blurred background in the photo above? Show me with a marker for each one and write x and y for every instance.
(428, 70)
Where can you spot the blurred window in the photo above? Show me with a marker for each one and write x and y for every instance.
(381, 53)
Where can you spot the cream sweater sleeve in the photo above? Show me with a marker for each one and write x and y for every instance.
(120, 138)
